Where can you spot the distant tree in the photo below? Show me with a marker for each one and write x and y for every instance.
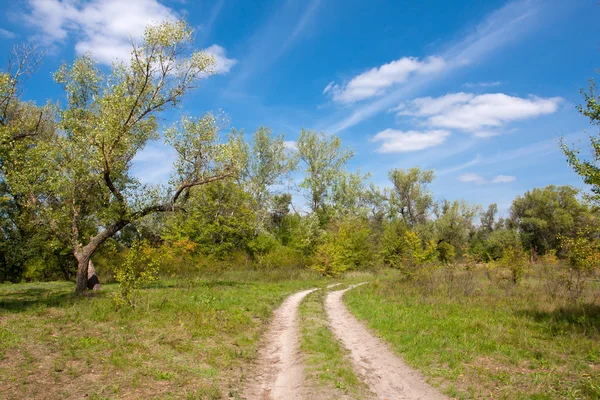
(541, 215)
(218, 218)
(488, 218)
(267, 164)
(410, 197)
(349, 193)
(324, 161)
(455, 224)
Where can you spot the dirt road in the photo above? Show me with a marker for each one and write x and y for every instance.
(280, 373)
(386, 375)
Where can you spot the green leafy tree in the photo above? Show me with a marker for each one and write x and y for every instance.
(267, 165)
(218, 218)
(87, 191)
(25, 241)
(583, 261)
(324, 161)
(589, 170)
(541, 215)
(410, 197)
(349, 194)
(454, 224)
(345, 246)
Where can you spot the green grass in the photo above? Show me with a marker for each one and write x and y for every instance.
(502, 342)
(186, 339)
(328, 367)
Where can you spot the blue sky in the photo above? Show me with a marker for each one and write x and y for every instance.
(479, 91)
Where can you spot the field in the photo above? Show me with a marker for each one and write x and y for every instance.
(191, 339)
(499, 342)
(197, 338)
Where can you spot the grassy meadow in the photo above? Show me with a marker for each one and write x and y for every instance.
(499, 341)
(185, 339)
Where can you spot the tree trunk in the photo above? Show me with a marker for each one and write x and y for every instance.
(83, 260)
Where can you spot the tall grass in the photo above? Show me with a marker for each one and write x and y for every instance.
(501, 340)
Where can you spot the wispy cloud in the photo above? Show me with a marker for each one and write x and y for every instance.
(275, 37)
(504, 179)
(459, 167)
(501, 27)
(154, 164)
(480, 115)
(395, 141)
(104, 28)
(473, 85)
(7, 34)
(376, 81)
(480, 180)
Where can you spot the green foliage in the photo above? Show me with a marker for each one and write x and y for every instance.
(514, 260)
(589, 170)
(218, 218)
(305, 234)
(410, 198)
(141, 266)
(497, 241)
(345, 247)
(392, 244)
(454, 224)
(446, 253)
(267, 165)
(583, 261)
(324, 160)
(541, 215)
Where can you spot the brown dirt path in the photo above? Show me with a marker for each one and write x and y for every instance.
(280, 373)
(384, 372)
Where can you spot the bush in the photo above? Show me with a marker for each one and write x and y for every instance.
(345, 247)
(583, 259)
(141, 266)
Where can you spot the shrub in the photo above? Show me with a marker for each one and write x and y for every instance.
(583, 258)
(345, 247)
(141, 266)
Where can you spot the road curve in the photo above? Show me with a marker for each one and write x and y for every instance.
(280, 374)
(384, 372)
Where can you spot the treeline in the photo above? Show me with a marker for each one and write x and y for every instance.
(68, 196)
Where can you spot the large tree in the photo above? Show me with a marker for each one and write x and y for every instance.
(87, 190)
(23, 236)
(541, 215)
(410, 197)
(325, 160)
(267, 165)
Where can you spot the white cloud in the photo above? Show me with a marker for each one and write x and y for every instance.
(481, 84)
(328, 87)
(105, 28)
(501, 27)
(223, 64)
(395, 141)
(7, 34)
(480, 180)
(375, 81)
(504, 179)
(480, 115)
(290, 145)
(472, 178)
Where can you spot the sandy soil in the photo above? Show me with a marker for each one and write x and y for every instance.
(385, 374)
(280, 373)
